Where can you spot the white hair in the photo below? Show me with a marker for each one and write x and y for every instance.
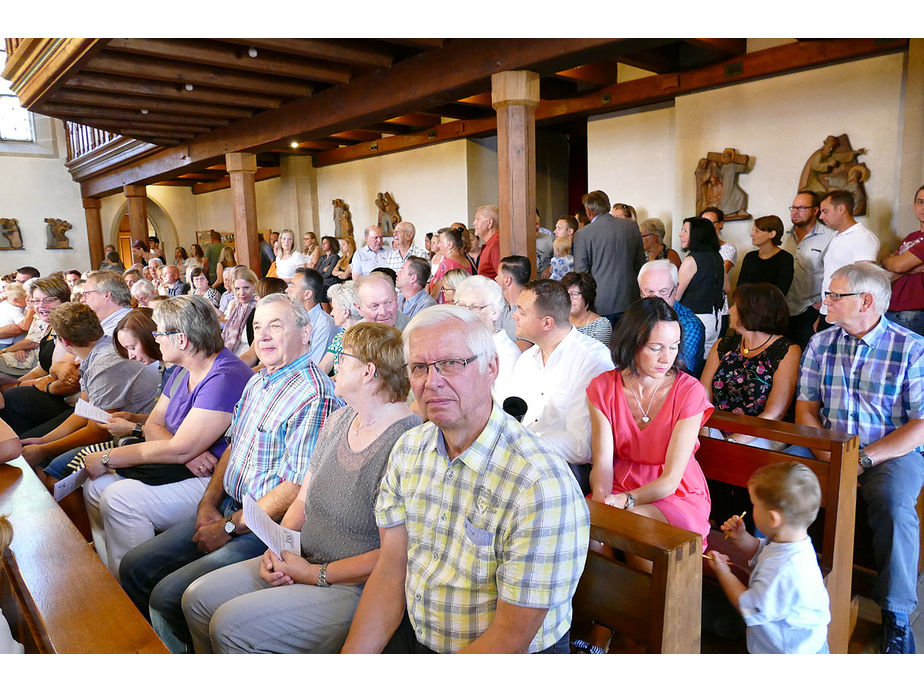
(866, 278)
(478, 337)
(663, 265)
(480, 288)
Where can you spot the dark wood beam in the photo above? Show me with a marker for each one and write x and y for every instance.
(120, 126)
(320, 145)
(264, 173)
(348, 51)
(598, 74)
(207, 53)
(86, 98)
(177, 183)
(410, 86)
(62, 110)
(422, 43)
(356, 135)
(458, 110)
(483, 99)
(721, 48)
(416, 120)
(175, 91)
(185, 73)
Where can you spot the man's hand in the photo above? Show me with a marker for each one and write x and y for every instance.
(202, 464)
(65, 371)
(22, 355)
(206, 514)
(94, 464)
(212, 536)
(120, 424)
(33, 454)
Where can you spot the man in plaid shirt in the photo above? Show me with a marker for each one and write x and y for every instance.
(865, 376)
(484, 530)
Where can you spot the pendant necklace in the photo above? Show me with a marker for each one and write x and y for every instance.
(645, 417)
(747, 351)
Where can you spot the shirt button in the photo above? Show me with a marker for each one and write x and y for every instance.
(417, 597)
(443, 516)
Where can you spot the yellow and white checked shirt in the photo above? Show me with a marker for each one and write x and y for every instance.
(505, 519)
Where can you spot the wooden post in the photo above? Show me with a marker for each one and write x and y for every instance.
(91, 207)
(137, 212)
(515, 96)
(241, 167)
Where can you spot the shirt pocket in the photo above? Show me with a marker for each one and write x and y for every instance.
(477, 562)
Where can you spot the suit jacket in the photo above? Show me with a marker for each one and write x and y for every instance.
(610, 249)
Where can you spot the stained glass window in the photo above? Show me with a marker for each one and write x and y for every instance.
(15, 121)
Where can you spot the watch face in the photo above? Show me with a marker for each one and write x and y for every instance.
(229, 527)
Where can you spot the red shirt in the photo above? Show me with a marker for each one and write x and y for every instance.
(908, 290)
(489, 260)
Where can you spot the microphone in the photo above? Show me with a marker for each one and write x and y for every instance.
(516, 407)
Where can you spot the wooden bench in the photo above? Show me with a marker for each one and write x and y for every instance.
(54, 591)
(653, 613)
(733, 464)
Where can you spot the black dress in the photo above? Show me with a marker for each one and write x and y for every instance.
(776, 270)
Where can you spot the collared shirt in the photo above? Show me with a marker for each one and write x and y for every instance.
(416, 303)
(503, 520)
(395, 260)
(114, 383)
(275, 426)
(322, 332)
(555, 392)
(109, 324)
(364, 260)
(856, 244)
(808, 266)
(692, 339)
(177, 289)
(869, 386)
(489, 260)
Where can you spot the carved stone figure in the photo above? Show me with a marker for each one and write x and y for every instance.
(722, 182)
(835, 167)
(388, 213)
(708, 185)
(343, 220)
(57, 233)
(12, 236)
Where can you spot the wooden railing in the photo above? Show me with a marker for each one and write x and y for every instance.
(12, 44)
(82, 139)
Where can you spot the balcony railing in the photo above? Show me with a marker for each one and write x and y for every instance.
(82, 139)
(12, 44)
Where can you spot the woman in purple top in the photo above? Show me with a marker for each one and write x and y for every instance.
(139, 490)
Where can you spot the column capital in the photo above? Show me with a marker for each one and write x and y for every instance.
(515, 87)
(241, 162)
(132, 190)
(91, 203)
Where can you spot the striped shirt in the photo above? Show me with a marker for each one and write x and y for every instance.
(275, 426)
(394, 260)
(869, 386)
(503, 520)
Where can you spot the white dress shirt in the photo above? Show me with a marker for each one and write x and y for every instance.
(856, 244)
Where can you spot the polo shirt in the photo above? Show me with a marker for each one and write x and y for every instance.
(856, 244)
(364, 260)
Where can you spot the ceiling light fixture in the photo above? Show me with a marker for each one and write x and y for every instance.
(294, 144)
(252, 52)
(189, 87)
(144, 111)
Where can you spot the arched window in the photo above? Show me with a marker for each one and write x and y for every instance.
(15, 121)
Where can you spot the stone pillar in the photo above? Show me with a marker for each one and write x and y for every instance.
(91, 207)
(241, 167)
(515, 95)
(137, 212)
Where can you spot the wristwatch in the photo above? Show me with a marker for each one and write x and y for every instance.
(138, 431)
(104, 460)
(630, 502)
(322, 576)
(865, 460)
(230, 529)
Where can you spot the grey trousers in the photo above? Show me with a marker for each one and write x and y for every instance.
(231, 610)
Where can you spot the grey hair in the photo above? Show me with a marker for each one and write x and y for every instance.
(481, 288)
(143, 287)
(866, 278)
(195, 317)
(301, 313)
(107, 280)
(477, 336)
(155, 262)
(372, 278)
(658, 265)
(343, 297)
(655, 226)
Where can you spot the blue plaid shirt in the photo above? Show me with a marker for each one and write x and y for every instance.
(869, 386)
(692, 340)
(275, 426)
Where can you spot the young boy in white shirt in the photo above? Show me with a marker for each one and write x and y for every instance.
(785, 604)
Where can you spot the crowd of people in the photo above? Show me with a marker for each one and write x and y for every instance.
(430, 419)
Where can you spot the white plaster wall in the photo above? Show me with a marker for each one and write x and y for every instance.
(36, 186)
(481, 163)
(637, 157)
(429, 185)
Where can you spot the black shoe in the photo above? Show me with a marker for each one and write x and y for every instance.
(897, 637)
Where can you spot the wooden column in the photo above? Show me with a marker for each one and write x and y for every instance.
(515, 96)
(241, 167)
(137, 212)
(91, 207)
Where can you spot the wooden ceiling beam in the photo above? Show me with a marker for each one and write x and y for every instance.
(320, 145)
(721, 48)
(86, 98)
(230, 58)
(357, 135)
(62, 110)
(482, 99)
(262, 173)
(108, 124)
(38, 66)
(415, 120)
(462, 111)
(176, 183)
(175, 91)
(347, 51)
(421, 43)
(598, 74)
(185, 73)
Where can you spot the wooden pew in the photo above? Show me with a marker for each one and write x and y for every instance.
(733, 464)
(54, 591)
(656, 612)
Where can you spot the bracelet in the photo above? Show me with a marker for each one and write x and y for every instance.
(322, 576)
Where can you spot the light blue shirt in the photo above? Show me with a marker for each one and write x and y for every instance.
(322, 332)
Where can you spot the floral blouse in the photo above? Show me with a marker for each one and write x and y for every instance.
(742, 384)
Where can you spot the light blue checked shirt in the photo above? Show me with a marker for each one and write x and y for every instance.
(275, 426)
(867, 387)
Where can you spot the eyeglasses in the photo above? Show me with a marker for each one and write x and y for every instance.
(47, 301)
(165, 334)
(472, 308)
(575, 294)
(446, 367)
(92, 291)
(834, 297)
(338, 358)
(799, 209)
(663, 293)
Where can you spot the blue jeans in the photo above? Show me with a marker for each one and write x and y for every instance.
(890, 490)
(156, 573)
(58, 466)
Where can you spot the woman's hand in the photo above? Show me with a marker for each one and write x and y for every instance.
(268, 572)
(202, 464)
(616, 500)
(297, 568)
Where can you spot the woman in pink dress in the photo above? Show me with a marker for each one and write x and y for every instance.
(645, 421)
(450, 244)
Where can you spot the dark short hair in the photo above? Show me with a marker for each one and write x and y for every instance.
(702, 234)
(141, 324)
(517, 267)
(761, 308)
(31, 271)
(569, 220)
(634, 329)
(312, 281)
(812, 194)
(597, 202)
(771, 224)
(388, 272)
(551, 300)
(77, 323)
(840, 198)
(195, 272)
(113, 257)
(719, 214)
(454, 236)
(419, 268)
(916, 193)
(52, 285)
(334, 243)
(586, 284)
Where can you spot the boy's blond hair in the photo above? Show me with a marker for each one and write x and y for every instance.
(790, 488)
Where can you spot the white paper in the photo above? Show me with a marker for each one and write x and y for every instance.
(275, 536)
(88, 411)
(70, 483)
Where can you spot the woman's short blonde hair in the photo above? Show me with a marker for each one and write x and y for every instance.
(381, 345)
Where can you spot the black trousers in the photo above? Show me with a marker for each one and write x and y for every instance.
(28, 408)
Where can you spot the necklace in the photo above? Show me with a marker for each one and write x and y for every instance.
(745, 350)
(645, 417)
(370, 424)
